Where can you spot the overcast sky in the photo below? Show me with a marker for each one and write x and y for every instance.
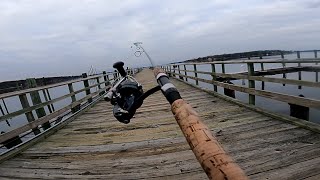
(52, 37)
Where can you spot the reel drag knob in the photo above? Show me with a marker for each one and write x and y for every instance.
(119, 66)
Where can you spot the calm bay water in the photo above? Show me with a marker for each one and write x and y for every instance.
(269, 104)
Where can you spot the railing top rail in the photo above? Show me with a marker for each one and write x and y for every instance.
(16, 93)
(301, 60)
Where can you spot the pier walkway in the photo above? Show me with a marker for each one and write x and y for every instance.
(96, 145)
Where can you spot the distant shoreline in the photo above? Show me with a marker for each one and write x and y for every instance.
(249, 54)
(10, 86)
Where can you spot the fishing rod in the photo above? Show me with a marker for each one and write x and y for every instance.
(127, 96)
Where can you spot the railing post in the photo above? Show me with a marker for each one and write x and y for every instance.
(99, 86)
(180, 77)
(35, 97)
(86, 84)
(282, 55)
(223, 68)
(73, 99)
(260, 54)
(316, 55)
(98, 82)
(185, 72)
(298, 56)
(170, 75)
(195, 73)
(128, 71)
(262, 67)
(251, 82)
(25, 104)
(214, 77)
(106, 78)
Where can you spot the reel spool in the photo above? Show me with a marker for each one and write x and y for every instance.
(126, 95)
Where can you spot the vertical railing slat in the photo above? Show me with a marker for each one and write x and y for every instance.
(214, 77)
(185, 72)
(195, 73)
(86, 84)
(251, 82)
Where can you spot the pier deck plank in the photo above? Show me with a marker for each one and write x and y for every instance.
(96, 145)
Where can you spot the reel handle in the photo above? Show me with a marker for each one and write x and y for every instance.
(119, 66)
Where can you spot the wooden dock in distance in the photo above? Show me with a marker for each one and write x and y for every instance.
(96, 145)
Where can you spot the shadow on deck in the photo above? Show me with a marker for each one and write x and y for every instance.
(96, 145)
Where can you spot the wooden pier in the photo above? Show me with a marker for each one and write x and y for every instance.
(91, 143)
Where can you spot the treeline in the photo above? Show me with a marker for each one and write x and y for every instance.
(249, 54)
(10, 86)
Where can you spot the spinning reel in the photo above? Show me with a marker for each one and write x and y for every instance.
(126, 95)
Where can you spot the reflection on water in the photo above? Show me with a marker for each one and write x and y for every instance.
(273, 105)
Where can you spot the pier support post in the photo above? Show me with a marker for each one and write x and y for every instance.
(86, 84)
(11, 142)
(229, 92)
(195, 73)
(25, 104)
(252, 98)
(298, 111)
(35, 97)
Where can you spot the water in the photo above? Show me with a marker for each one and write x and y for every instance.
(272, 105)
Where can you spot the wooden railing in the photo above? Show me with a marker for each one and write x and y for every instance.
(183, 71)
(45, 121)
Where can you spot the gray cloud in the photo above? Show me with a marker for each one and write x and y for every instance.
(51, 37)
